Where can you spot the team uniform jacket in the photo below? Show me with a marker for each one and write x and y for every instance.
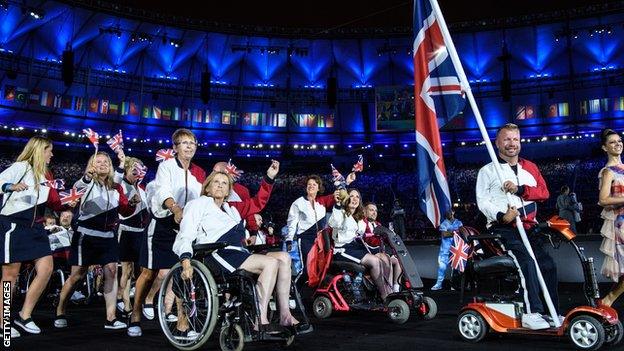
(492, 201)
(28, 205)
(204, 222)
(138, 220)
(303, 215)
(173, 182)
(345, 228)
(100, 208)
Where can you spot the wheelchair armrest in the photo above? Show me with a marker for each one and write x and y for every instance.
(484, 237)
(260, 247)
(202, 249)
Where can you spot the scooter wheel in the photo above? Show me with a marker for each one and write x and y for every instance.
(398, 311)
(614, 334)
(322, 307)
(431, 308)
(586, 333)
(471, 326)
(231, 338)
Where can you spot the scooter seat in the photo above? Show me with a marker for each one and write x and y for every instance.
(337, 267)
(495, 265)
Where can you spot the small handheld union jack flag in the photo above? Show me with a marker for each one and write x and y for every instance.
(233, 171)
(339, 180)
(116, 142)
(164, 155)
(460, 252)
(92, 135)
(74, 194)
(139, 171)
(359, 165)
(57, 184)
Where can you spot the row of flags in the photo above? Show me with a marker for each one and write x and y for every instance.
(110, 107)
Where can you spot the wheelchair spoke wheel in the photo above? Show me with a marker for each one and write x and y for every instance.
(188, 305)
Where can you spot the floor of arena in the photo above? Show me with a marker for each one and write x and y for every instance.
(357, 331)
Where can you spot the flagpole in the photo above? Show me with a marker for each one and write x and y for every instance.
(488, 144)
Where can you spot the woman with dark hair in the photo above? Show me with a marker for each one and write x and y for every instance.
(307, 214)
(25, 194)
(611, 198)
(347, 222)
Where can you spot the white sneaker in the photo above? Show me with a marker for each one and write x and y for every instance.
(77, 296)
(436, 287)
(60, 322)
(134, 330)
(15, 333)
(171, 318)
(187, 335)
(148, 311)
(132, 292)
(28, 325)
(534, 321)
(548, 319)
(115, 324)
(396, 288)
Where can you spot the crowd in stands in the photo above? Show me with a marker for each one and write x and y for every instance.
(383, 187)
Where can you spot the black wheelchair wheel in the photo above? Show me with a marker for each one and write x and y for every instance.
(231, 338)
(195, 300)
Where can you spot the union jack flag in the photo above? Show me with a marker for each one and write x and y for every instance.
(233, 171)
(339, 180)
(116, 142)
(434, 76)
(139, 171)
(359, 165)
(92, 135)
(74, 194)
(57, 184)
(164, 154)
(460, 252)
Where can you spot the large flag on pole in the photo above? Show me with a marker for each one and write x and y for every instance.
(438, 98)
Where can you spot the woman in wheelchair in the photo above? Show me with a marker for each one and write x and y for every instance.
(347, 223)
(211, 219)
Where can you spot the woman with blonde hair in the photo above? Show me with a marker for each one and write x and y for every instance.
(94, 242)
(611, 198)
(25, 196)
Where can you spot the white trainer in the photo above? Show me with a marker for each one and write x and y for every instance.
(534, 321)
(148, 311)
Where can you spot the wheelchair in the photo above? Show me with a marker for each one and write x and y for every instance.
(344, 286)
(493, 277)
(224, 305)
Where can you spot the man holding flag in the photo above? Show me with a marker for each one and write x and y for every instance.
(526, 185)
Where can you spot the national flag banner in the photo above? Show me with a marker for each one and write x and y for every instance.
(208, 116)
(9, 92)
(92, 136)
(329, 122)
(125, 108)
(104, 107)
(438, 97)
(459, 253)
(146, 111)
(166, 114)
(139, 171)
(186, 114)
(113, 109)
(58, 100)
(74, 194)
(66, 102)
(33, 98)
(93, 105)
(79, 103)
(156, 112)
(116, 142)
(164, 154)
(20, 95)
(359, 165)
(134, 109)
(47, 99)
(233, 171)
(176, 114)
(58, 184)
